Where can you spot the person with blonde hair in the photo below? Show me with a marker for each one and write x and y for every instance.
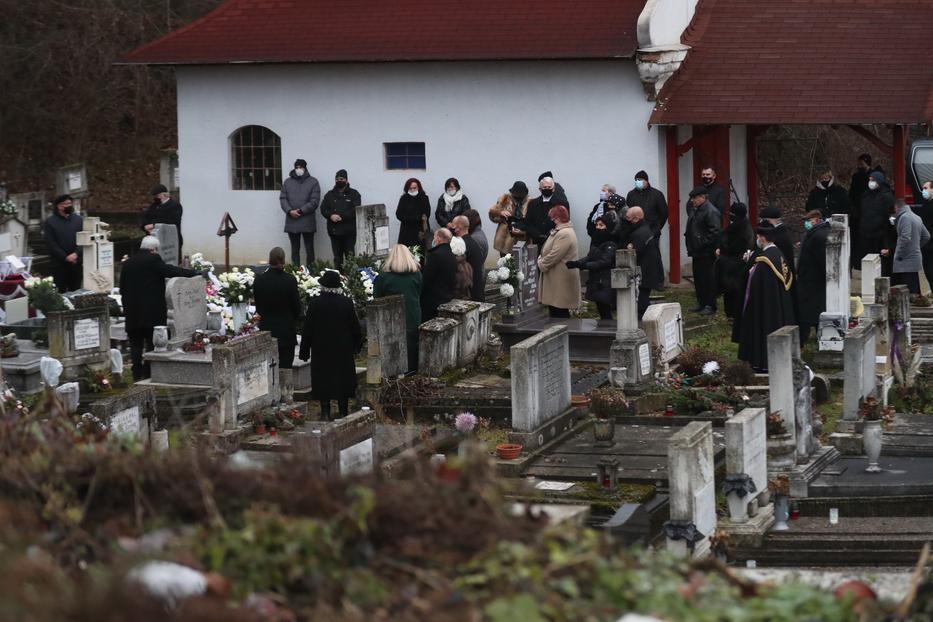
(401, 276)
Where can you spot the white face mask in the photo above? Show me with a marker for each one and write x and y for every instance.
(451, 191)
(639, 184)
(603, 195)
(892, 219)
(413, 193)
(926, 194)
(873, 185)
(299, 172)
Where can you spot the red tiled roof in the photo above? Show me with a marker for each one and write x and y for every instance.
(275, 31)
(803, 62)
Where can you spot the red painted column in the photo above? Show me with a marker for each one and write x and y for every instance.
(673, 200)
(899, 148)
(751, 171)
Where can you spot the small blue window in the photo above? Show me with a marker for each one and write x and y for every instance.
(405, 155)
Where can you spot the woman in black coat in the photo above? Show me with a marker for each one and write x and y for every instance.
(413, 212)
(278, 305)
(332, 331)
(731, 268)
(811, 273)
(600, 261)
(450, 204)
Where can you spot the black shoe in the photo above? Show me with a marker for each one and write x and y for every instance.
(707, 311)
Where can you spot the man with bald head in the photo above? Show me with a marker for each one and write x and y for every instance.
(460, 227)
(643, 241)
(440, 270)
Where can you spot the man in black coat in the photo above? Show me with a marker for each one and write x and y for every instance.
(925, 211)
(440, 270)
(650, 200)
(731, 269)
(279, 308)
(716, 194)
(338, 207)
(142, 290)
(648, 255)
(811, 273)
(768, 305)
(536, 224)
(702, 235)
(60, 231)
(781, 238)
(332, 331)
(877, 208)
(460, 227)
(857, 188)
(828, 197)
(163, 210)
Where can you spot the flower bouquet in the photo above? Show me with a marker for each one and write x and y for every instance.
(507, 275)
(8, 208)
(43, 295)
(236, 286)
(199, 263)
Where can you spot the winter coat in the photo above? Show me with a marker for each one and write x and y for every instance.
(731, 269)
(599, 262)
(503, 240)
(702, 232)
(409, 212)
(408, 286)
(476, 259)
(440, 271)
(652, 201)
(877, 206)
(61, 235)
(142, 290)
(168, 213)
(811, 275)
(717, 197)
(911, 237)
(832, 200)
(536, 223)
(601, 209)
(463, 282)
(332, 334)
(279, 309)
(443, 217)
(559, 286)
(342, 202)
(303, 194)
(857, 189)
(648, 255)
(479, 236)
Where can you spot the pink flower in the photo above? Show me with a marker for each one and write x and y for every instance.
(465, 422)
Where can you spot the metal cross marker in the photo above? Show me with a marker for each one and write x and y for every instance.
(226, 229)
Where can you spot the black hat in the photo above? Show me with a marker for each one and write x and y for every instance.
(519, 190)
(341, 173)
(330, 279)
(301, 163)
(616, 200)
(766, 229)
(61, 199)
(770, 212)
(739, 210)
(642, 175)
(158, 189)
(699, 191)
(545, 174)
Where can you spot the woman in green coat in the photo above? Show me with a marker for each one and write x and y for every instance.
(401, 275)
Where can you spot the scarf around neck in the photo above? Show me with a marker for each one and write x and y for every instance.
(450, 200)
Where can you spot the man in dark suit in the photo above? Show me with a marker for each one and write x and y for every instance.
(460, 226)
(440, 270)
(142, 289)
(164, 210)
(278, 306)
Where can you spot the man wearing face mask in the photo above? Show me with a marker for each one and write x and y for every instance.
(857, 187)
(163, 210)
(925, 211)
(811, 273)
(536, 224)
(702, 235)
(651, 200)
(716, 194)
(299, 199)
(338, 207)
(911, 237)
(828, 196)
(60, 231)
(648, 255)
(877, 206)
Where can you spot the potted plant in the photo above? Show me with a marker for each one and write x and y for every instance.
(872, 434)
(508, 451)
(579, 401)
(605, 402)
(781, 447)
(780, 488)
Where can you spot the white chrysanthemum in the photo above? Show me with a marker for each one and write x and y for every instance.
(500, 262)
(520, 276)
(493, 276)
(504, 273)
(457, 246)
(507, 290)
(710, 368)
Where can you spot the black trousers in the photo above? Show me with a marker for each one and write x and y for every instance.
(644, 299)
(704, 279)
(605, 310)
(343, 246)
(910, 279)
(343, 406)
(67, 276)
(137, 339)
(558, 312)
(928, 265)
(295, 239)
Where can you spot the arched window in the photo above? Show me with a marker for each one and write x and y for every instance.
(256, 158)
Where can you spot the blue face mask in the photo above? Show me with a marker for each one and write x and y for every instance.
(926, 194)
(639, 184)
(808, 224)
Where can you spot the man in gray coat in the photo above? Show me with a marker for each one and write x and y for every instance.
(911, 236)
(300, 197)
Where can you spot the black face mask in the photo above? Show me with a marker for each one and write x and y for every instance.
(546, 193)
(708, 181)
(70, 209)
(341, 184)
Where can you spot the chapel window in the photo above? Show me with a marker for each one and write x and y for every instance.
(256, 158)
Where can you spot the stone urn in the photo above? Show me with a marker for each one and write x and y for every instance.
(604, 430)
(160, 338)
(871, 441)
(781, 512)
(239, 311)
(781, 449)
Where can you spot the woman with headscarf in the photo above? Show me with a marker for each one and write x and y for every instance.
(559, 286)
(452, 203)
(599, 262)
(413, 212)
(510, 207)
(731, 268)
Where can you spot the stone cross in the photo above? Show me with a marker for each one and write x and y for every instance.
(834, 322)
(871, 270)
(630, 350)
(97, 255)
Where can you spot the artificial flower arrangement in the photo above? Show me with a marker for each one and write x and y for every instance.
(507, 275)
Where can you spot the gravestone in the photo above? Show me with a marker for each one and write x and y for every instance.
(526, 294)
(343, 447)
(372, 230)
(17, 310)
(168, 242)
(630, 349)
(747, 478)
(129, 414)
(186, 299)
(13, 234)
(485, 323)
(859, 355)
(80, 339)
(876, 314)
(902, 354)
(664, 327)
(437, 346)
(387, 345)
(540, 382)
(692, 489)
(245, 373)
(871, 270)
(29, 207)
(96, 255)
(783, 349)
(466, 313)
(834, 322)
